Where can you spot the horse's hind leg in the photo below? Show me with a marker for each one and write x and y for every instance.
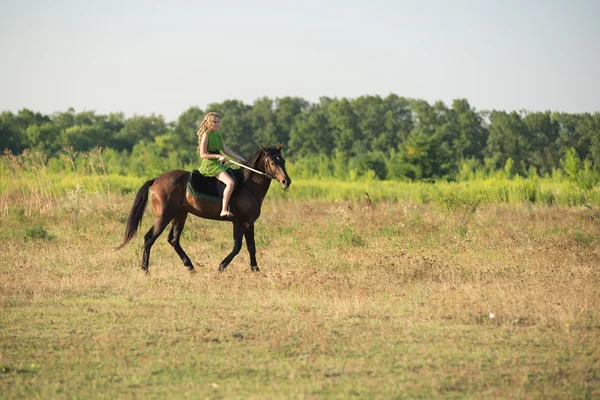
(160, 223)
(175, 234)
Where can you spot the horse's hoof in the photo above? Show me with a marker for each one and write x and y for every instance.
(255, 269)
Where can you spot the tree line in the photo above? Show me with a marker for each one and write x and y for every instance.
(386, 137)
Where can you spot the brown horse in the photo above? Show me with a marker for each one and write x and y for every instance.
(172, 202)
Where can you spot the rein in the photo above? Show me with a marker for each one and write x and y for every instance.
(252, 169)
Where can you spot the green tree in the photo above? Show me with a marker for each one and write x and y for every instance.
(371, 121)
(543, 134)
(111, 125)
(398, 123)
(312, 133)
(79, 137)
(343, 119)
(417, 151)
(140, 128)
(85, 130)
(384, 123)
(370, 161)
(578, 131)
(286, 111)
(508, 138)
(578, 172)
(339, 164)
(595, 140)
(590, 130)
(150, 159)
(43, 138)
(470, 135)
(264, 121)
(26, 126)
(11, 135)
(428, 147)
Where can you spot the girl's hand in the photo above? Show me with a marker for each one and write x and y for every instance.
(222, 159)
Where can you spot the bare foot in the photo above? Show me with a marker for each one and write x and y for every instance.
(226, 214)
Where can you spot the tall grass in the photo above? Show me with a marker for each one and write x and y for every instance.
(36, 184)
(492, 190)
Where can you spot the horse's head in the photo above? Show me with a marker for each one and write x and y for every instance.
(274, 165)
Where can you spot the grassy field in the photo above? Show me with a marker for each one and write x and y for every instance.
(380, 299)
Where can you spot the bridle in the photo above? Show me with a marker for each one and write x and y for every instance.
(252, 169)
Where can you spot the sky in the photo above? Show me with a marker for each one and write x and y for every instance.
(163, 57)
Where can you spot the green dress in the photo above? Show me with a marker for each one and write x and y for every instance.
(212, 166)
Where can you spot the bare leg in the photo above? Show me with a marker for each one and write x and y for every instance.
(229, 184)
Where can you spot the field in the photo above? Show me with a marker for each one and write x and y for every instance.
(455, 297)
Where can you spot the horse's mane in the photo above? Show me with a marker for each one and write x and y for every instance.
(254, 162)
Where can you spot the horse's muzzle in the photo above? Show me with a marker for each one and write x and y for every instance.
(285, 182)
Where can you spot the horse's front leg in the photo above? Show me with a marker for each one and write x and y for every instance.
(249, 235)
(238, 232)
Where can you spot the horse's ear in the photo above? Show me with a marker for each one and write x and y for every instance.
(280, 146)
(263, 148)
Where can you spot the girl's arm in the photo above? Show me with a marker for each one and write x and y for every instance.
(232, 154)
(204, 152)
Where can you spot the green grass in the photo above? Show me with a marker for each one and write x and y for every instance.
(381, 299)
(33, 193)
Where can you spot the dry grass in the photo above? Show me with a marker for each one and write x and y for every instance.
(381, 300)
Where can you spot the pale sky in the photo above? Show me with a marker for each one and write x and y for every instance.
(162, 57)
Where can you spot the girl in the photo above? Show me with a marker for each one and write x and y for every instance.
(211, 146)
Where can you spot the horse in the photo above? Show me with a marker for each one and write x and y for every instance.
(172, 203)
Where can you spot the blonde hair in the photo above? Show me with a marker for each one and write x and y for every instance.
(207, 123)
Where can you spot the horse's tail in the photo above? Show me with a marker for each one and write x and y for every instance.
(137, 212)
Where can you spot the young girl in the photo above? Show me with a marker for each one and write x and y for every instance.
(211, 146)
